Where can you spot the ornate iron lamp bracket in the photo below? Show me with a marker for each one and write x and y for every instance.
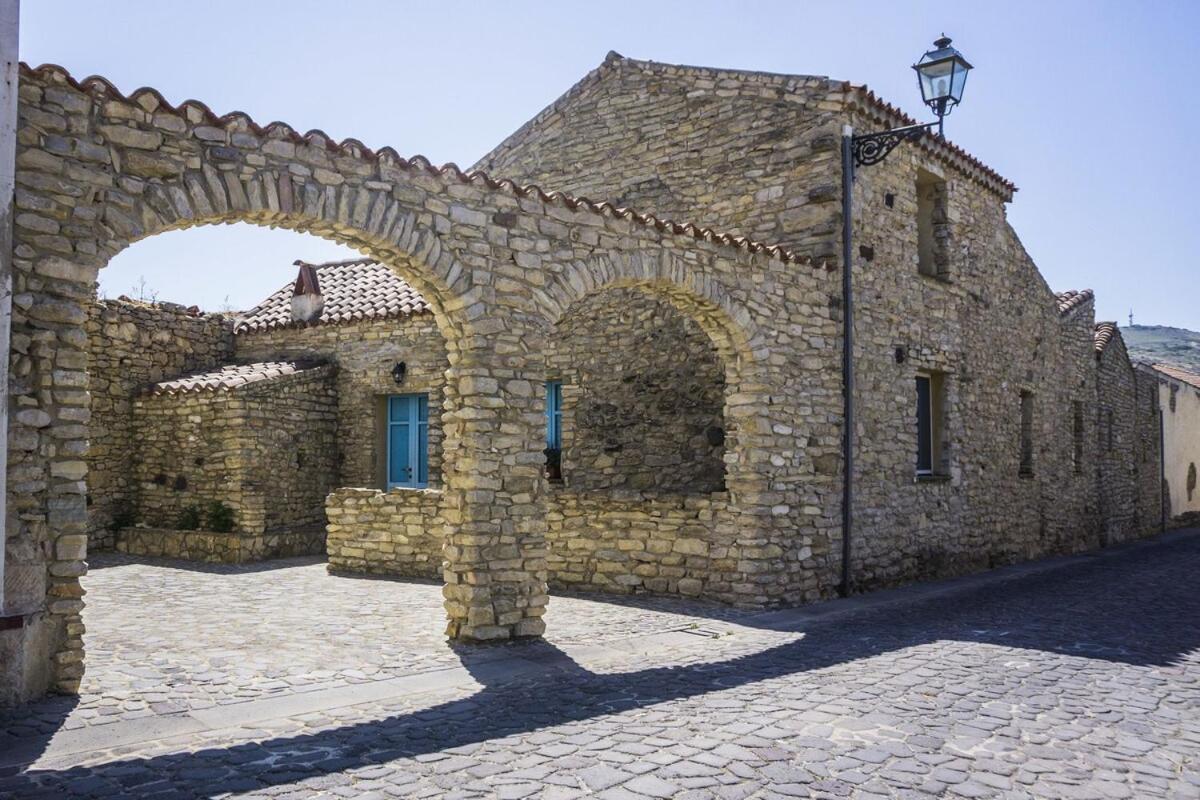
(871, 148)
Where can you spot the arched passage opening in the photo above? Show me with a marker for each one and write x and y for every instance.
(642, 397)
(640, 375)
(223, 441)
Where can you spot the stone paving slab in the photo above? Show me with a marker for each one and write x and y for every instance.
(1077, 679)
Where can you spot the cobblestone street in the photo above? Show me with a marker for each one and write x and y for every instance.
(1078, 678)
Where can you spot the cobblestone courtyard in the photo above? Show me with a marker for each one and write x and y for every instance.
(1077, 678)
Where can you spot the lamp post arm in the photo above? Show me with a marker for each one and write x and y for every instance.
(871, 148)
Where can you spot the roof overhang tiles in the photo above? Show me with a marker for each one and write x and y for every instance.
(231, 377)
(151, 100)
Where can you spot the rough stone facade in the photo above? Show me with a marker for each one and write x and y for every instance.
(759, 154)
(266, 449)
(364, 354)
(131, 345)
(1122, 449)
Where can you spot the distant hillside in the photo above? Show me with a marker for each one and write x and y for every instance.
(1159, 344)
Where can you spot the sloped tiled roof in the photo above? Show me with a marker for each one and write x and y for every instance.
(355, 290)
(1190, 378)
(230, 377)
(1071, 300)
(1105, 331)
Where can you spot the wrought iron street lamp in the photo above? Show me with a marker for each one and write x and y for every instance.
(942, 76)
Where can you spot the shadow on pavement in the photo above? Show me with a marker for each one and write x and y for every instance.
(1142, 608)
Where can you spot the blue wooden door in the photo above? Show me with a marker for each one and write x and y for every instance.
(408, 441)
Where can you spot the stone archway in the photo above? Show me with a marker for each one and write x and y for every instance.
(97, 170)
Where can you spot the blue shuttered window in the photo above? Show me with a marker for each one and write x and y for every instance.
(408, 441)
(554, 415)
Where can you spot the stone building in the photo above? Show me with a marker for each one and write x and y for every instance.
(274, 414)
(1177, 395)
(609, 399)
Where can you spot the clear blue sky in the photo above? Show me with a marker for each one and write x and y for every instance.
(1090, 107)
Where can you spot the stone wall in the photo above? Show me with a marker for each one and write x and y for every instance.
(758, 156)
(131, 345)
(643, 397)
(266, 450)
(630, 543)
(1120, 447)
(364, 354)
(384, 533)
(222, 548)
(1151, 496)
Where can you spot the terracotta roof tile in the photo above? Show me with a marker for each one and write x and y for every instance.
(240, 121)
(1105, 331)
(1190, 378)
(354, 290)
(1071, 300)
(230, 377)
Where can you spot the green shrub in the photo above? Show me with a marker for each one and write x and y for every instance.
(219, 517)
(124, 517)
(189, 518)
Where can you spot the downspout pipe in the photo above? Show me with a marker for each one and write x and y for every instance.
(10, 12)
(844, 588)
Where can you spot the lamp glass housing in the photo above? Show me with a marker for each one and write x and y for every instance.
(942, 75)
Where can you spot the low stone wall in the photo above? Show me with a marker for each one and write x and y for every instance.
(222, 548)
(660, 545)
(397, 532)
(665, 545)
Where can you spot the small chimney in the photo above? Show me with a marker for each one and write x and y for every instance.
(307, 300)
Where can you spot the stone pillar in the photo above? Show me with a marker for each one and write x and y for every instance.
(495, 544)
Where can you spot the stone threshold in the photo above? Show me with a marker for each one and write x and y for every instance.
(69, 747)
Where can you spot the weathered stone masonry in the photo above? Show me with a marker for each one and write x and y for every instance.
(758, 154)
(499, 266)
(519, 284)
(131, 345)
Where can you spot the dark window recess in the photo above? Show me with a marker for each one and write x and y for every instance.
(933, 227)
(924, 426)
(1026, 433)
(1077, 435)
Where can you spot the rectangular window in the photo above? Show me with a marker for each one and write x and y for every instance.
(929, 423)
(1108, 430)
(1077, 436)
(932, 226)
(554, 415)
(1026, 433)
(408, 441)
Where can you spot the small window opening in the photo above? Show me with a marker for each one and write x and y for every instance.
(1077, 436)
(930, 405)
(933, 227)
(1109, 438)
(1026, 433)
(554, 430)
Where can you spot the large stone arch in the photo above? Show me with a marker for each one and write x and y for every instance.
(97, 170)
